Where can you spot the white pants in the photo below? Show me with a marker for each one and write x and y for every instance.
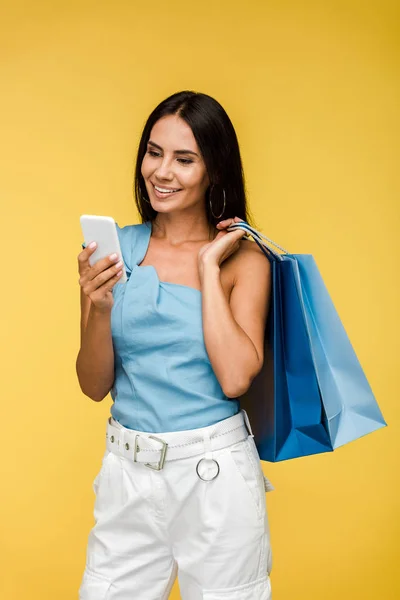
(151, 526)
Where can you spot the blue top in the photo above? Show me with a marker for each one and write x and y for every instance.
(164, 380)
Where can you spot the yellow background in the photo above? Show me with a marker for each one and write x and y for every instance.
(312, 89)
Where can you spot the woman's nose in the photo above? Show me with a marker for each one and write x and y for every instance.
(164, 170)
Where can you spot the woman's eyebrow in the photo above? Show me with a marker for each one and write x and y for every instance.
(175, 151)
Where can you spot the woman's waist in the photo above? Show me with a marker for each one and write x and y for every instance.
(173, 411)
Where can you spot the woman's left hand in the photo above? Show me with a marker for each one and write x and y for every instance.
(223, 245)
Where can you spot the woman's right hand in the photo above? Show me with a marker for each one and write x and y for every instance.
(98, 281)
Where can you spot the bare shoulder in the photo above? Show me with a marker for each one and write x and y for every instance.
(247, 245)
(251, 262)
(250, 297)
(245, 266)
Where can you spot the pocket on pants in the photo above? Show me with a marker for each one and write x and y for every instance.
(93, 586)
(99, 475)
(268, 487)
(256, 590)
(249, 474)
(108, 487)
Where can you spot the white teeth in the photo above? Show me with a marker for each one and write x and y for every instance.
(165, 191)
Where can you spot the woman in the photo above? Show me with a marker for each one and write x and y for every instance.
(181, 484)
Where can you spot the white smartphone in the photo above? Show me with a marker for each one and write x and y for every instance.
(103, 231)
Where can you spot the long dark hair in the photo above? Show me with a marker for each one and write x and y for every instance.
(218, 144)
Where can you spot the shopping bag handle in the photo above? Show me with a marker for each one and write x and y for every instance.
(260, 242)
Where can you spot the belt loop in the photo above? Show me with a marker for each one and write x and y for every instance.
(207, 457)
(247, 421)
(120, 443)
(207, 445)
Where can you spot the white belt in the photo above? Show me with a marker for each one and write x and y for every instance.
(149, 448)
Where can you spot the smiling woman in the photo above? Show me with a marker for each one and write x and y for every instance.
(169, 172)
(184, 340)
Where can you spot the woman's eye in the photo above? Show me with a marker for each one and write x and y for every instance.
(185, 161)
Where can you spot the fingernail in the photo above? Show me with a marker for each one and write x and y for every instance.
(92, 245)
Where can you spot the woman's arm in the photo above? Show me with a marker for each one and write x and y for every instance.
(234, 330)
(85, 308)
(95, 361)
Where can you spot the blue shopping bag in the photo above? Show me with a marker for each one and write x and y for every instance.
(311, 395)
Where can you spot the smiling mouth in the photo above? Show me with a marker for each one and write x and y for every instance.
(162, 194)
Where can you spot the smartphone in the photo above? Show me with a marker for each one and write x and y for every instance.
(103, 231)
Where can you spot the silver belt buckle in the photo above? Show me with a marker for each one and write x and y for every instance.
(163, 450)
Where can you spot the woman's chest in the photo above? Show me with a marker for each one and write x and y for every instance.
(151, 316)
(181, 267)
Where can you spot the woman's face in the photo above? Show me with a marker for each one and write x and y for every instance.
(173, 161)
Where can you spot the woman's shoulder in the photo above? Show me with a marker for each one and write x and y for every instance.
(130, 227)
(250, 262)
(130, 237)
(130, 232)
(249, 250)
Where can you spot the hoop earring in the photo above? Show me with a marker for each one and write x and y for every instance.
(209, 200)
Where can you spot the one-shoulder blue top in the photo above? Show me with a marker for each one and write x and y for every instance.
(164, 380)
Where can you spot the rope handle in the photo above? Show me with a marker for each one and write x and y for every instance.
(257, 234)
